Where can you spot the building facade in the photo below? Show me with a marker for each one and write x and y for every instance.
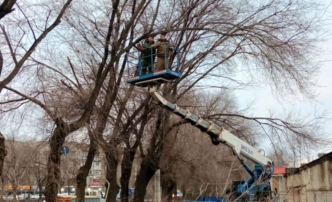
(311, 182)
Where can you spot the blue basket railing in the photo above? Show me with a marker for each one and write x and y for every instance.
(139, 64)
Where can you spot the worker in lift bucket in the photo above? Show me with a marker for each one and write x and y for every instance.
(164, 47)
(148, 55)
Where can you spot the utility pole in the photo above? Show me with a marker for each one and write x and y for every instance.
(157, 189)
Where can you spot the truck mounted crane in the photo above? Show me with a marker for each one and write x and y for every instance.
(253, 189)
(257, 186)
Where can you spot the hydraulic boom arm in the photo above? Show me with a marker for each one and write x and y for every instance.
(217, 133)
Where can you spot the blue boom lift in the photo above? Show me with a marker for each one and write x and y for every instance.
(257, 187)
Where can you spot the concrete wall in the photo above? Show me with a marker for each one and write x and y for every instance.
(279, 186)
(310, 184)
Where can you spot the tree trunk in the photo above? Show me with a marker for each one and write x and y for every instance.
(149, 164)
(40, 187)
(2, 188)
(167, 187)
(126, 167)
(2, 152)
(84, 171)
(111, 176)
(53, 165)
(148, 169)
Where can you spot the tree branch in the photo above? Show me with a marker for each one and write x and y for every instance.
(6, 7)
(1, 64)
(20, 63)
(34, 100)
(33, 32)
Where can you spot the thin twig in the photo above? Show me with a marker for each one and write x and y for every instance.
(26, 17)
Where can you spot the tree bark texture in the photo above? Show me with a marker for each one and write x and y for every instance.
(149, 165)
(84, 171)
(167, 187)
(111, 177)
(53, 166)
(126, 167)
(148, 169)
(3, 152)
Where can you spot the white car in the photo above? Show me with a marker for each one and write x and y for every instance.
(11, 197)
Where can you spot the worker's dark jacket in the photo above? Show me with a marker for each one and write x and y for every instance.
(148, 56)
(147, 50)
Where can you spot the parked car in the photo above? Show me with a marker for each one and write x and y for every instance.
(11, 197)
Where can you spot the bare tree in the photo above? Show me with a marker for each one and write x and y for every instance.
(271, 39)
(83, 171)
(18, 63)
(5, 8)
(124, 121)
(39, 171)
(18, 165)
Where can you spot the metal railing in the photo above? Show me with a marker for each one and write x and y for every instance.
(139, 64)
